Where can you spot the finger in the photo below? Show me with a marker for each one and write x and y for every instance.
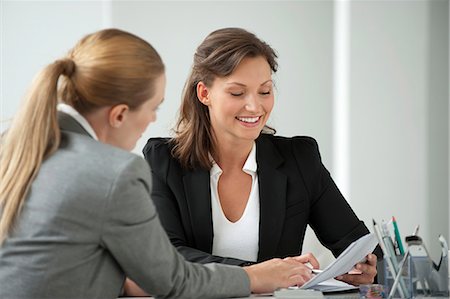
(302, 267)
(356, 279)
(348, 278)
(353, 279)
(355, 271)
(297, 279)
(372, 259)
(292, 261)
(302, 270)
(308, 258)
(367, 269)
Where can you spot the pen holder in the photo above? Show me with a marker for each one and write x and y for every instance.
(419, 277)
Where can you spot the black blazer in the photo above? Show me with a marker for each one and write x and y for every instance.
(295, 190)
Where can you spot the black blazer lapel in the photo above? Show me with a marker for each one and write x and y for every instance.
(199, 205)
(272, 196)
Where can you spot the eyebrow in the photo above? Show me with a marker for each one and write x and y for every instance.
(240, 84)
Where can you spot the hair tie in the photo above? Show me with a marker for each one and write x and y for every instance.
(68, 67)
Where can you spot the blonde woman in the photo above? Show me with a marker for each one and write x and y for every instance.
(76, 213)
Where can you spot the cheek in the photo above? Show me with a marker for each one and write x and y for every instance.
(269, 105)
(151, 117)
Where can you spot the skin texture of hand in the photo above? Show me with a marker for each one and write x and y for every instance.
(308, 259)
(277, 273)
(368, 272)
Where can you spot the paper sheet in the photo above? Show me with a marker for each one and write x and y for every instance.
(353, 254)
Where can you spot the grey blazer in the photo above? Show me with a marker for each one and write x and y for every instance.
(88, 221)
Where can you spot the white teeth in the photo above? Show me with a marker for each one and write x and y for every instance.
(248, 119)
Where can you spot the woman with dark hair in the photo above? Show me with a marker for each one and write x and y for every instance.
(227, 189)
(76, 215)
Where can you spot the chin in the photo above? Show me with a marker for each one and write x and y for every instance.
(252, 137)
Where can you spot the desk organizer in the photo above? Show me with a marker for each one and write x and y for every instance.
(420, 277)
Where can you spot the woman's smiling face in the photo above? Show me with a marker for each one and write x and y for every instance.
(240, 104)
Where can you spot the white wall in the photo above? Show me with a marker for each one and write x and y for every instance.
(399, 142)
(34, 34)
(399, 114)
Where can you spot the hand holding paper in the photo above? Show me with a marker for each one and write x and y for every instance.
(352, 255)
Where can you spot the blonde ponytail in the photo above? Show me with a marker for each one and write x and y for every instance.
(33, 135)
(105, 68)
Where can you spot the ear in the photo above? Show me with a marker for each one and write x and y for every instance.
(203, 93)
(117, 115)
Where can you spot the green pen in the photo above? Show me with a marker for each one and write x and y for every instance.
(397, 236)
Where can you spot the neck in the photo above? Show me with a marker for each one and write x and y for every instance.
(232, 155)
(98, 119)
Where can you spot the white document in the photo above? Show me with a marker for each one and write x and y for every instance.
(333, 285)
(352, 255)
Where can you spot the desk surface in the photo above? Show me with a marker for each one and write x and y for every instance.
(352, 295)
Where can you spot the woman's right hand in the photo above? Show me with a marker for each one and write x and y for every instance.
(277, 273)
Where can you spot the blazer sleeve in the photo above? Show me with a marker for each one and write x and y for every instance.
(132, 233)
(157, 153)
(331, 217)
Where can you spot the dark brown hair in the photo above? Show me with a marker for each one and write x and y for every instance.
(217, 56)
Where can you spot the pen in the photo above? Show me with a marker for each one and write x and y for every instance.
(397, 277)
(387, 256)
(397, 236)
(444, 254)
(416, 230)
(388, 243)
(390, 256)
(315, 271)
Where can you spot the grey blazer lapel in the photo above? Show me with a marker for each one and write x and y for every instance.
(68, 123)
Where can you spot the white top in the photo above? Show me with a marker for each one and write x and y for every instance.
(236, 239)
(78, 117)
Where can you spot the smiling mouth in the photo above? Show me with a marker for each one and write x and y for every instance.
(249, 120)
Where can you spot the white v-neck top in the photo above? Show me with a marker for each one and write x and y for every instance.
(236, 239)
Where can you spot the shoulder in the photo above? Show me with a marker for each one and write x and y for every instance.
(83, 152)
(158, 153)
(158, 146)
(300, 146)
(301, 151)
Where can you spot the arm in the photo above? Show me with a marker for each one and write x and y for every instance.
(133, 235)
(331, 217)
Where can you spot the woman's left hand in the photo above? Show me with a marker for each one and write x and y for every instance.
(368, 272)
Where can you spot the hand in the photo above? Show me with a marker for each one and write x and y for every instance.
(368, 271)
(308, 259)
(131, 289)
(277, 273)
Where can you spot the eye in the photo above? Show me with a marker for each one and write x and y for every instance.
(236, 94)
(265, 93)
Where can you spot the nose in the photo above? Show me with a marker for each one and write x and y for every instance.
(251, 103)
